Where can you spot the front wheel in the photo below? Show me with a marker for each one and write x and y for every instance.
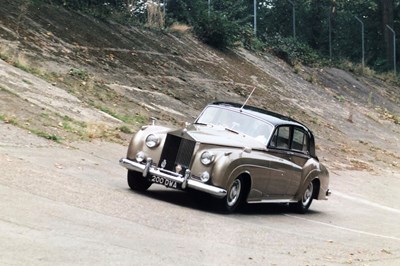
(304, 203)
(234, 195)
(137, 182)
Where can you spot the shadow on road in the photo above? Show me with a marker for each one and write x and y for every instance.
(205, 203)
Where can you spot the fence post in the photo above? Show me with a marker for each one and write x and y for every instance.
(394, 48)
(293, 18)
(362, 41)
(330, 34)
(255, 17)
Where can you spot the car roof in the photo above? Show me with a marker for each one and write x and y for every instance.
(271, 117)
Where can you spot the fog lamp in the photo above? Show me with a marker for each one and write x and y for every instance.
(204, 177)
(140, 156)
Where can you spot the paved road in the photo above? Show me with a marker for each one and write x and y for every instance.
(71, 205)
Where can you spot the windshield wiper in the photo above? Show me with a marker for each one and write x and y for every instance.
(201, 124)
(231, 130)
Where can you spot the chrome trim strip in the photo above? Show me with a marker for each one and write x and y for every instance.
(273, 201)
(154, 171)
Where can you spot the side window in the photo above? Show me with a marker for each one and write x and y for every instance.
(281, 137)
(300, 140)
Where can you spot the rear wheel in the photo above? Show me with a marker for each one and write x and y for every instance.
(304, 203)
(137, 182)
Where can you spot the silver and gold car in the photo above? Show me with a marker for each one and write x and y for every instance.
(238, 154)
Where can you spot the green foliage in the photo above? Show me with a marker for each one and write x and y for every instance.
(293, 51)
(314, 18)
(250, 41)
(67, 118)
(221, 26)
(340, 98)
(47, 136)
(125, 129)
(326, 26)
(79, 73)
(27, 68)
(9, 120)
(4, 56)
(217, 30)
(116, 10)
(137, 119)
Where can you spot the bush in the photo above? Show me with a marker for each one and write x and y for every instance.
(217, 30)
(293, 51)
(250, 41)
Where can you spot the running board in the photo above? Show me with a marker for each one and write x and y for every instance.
(273, 201)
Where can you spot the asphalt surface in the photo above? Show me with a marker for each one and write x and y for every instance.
(70, 204)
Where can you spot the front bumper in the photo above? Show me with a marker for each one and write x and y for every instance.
(184, 181)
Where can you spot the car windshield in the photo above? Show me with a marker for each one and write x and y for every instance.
(237, 122)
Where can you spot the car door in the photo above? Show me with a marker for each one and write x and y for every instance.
(299, 155)
(285, 172)
(280, 167)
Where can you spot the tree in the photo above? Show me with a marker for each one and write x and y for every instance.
(221, 28)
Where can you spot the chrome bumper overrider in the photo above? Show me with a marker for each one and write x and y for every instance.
(185, 181)
(328, 192)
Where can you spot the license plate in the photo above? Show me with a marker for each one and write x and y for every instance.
(163, 181)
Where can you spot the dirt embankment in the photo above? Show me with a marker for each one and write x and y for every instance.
(77, 77)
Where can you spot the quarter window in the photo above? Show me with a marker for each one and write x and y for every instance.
(300, 140)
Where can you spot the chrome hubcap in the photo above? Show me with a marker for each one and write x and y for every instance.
(234, 193)
(307, 196)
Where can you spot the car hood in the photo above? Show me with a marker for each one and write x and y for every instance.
(220, 136)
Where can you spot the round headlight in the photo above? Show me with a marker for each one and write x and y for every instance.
(152, 141)
(207, 158)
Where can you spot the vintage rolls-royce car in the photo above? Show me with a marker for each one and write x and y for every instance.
(238, 154)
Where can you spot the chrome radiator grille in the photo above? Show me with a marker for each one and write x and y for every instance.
(177, 151)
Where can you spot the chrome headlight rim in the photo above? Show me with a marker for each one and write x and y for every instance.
(207, 158)
(152, 141)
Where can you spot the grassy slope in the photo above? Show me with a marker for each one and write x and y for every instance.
(131, 74)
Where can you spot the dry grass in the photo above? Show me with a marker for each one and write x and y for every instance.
(356, 164)
(179, 28)
(155, 15)
(97, 130)
(19, 60)
(386, 115)
(348, 150)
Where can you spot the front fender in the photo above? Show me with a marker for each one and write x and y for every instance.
(236, 163)
(137, 142)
